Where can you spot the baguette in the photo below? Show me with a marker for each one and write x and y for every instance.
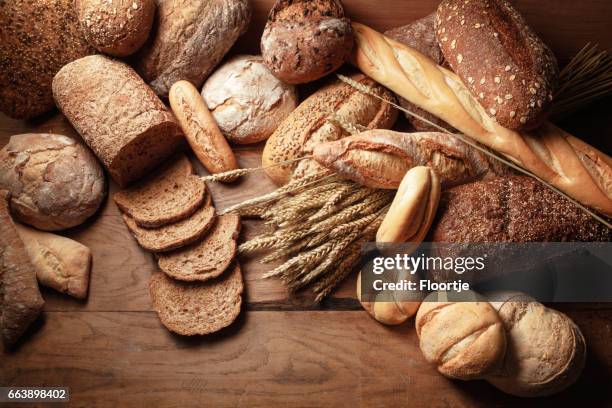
(381, 158)
(200, 127)
(579, 170)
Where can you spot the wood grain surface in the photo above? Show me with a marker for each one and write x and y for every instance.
(284, 350)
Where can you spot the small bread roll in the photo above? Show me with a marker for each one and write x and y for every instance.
(465, 340)
(413, 208)
(55, 182)
(546, 350)
(116, 27)
(247, 101)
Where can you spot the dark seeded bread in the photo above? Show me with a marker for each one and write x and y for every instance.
(207, 258)
(171, 194)
(503, 63)
(197, 308)
(20, 299)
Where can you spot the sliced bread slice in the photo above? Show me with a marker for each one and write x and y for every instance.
(197, 308)
(207, 258)
(169, 195)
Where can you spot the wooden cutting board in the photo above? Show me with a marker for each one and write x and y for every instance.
(284, 350)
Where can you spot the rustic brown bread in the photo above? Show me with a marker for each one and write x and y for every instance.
(512, 209)
(314, 121)
(304, 40)
(55, 182)
(119, 117)
(207, 258)
(171, 194)
(175, 235)
(503, 63)
(197, 308)
(118, 27)
(188, 40)
(20, 300)
(37, 38)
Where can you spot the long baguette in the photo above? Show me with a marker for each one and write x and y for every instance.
(574, 167)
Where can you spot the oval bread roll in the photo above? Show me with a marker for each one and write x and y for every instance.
(465, 340)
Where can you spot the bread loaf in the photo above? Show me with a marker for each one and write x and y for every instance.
(465, 340)
(546, 350)
(381, 158)
(37, 38)
(503, 63)
(305, 40)
(118, 27)
(55, 182)
(413, 209)
(316, 120)
(119, 117)
(188, 40)
(246, 100)
(581, 171)
(60, 262)
(201, 130)
(20, 300)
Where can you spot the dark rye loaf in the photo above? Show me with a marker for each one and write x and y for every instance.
(126, 125)
(37, 38)
(197, 308)
(20, 299)
(503, 63)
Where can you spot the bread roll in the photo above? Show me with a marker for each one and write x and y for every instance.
(465, 340)
(305, 40)
(119, 117)
(188, 40)
(38, 38)
(61, 263)
(116, 27)
(246, 100)
(315, 121)
(546, 350)
(499, 58)
(55, 182)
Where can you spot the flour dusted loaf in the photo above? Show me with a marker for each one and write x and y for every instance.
(188, 40)
(246, 100)
(316, 120)
(126, 125)
(116, 27)
(37, 38)
(55, 182)
(197, 308)
(20, 300)
(305, 40)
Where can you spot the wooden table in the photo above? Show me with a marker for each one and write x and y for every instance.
(112, 350)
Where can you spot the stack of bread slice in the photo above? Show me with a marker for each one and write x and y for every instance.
(199, 289)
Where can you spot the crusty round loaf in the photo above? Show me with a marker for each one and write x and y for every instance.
(55, 182)
(189, 38)
(316, 120)
(465, 340)
(116, 27)
(246, 100)
(37, 38)
(503, 63)
(546, 350)
(305, 40)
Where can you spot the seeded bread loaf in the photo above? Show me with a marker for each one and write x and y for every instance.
(315, 121)
(20, 300)
(119, 117)
(118, 27)
(503, 63)
(205, 259)
(37, 38)
(197, 308)
(188, 40)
